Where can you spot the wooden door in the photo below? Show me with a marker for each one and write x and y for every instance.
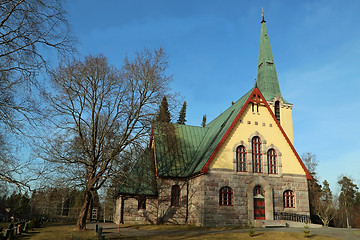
(259, 208)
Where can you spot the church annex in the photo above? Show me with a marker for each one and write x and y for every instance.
(240, 167)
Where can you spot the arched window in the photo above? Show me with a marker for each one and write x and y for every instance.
(256, 154)
(289, 199)
(271, 159)
(175, 196)
(241, 159)
(277, 110)
(225, 196)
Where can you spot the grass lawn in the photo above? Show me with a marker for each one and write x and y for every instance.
(67, 232)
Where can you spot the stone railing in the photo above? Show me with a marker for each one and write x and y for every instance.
(292, 217)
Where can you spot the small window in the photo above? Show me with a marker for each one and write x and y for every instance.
(141, 203)
(175, 196)
(256, 155)
(240, 159)
(225, 196)
(271, 158)
(289, 199)
(277, 111)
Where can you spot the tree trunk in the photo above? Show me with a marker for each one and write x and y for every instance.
(81, 222)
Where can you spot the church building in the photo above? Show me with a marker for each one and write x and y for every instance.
(241, 167)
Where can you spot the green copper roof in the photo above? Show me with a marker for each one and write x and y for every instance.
(176, 146)
(216, 130)
(142, 178)
(267, 80)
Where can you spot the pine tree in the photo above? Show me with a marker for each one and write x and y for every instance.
(347, 199)
(182, 115)
(163, 113)
(203, 123)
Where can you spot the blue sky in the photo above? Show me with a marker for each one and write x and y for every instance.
(213, 52)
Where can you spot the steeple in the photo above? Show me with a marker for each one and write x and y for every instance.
(267, 80)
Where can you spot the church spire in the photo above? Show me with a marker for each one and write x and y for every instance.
(267, 80)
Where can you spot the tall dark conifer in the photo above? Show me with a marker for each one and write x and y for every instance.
(182, 115)
(163, 113)
(203, 123)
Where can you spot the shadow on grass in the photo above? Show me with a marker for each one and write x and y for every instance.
(27, 235)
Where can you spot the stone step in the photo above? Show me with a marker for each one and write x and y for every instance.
(270, 223)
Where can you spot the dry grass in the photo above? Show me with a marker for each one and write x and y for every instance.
(57, 233)
(67, 232)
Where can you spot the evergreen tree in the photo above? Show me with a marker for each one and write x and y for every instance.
(182, 115)
(163, 114)
(347, 200)
(203, 123)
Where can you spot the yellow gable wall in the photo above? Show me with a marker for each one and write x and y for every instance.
(244, 129)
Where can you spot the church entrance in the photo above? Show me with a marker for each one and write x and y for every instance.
(259, 203)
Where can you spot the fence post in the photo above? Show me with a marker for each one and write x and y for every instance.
(99, 233)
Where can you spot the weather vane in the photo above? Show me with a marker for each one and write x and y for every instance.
(262, 14)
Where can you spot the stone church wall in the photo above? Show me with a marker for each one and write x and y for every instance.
(241, 211)
(203, 199)
(133, 215)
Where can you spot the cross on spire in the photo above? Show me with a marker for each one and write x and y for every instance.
(262, 14)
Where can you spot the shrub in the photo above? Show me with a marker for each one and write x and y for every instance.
(251, 229)
(306, 231)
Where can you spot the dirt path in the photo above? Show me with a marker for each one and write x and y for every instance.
(110, 228)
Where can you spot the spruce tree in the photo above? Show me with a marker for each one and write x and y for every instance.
(203, 123)
(163, 114)
(182, 115)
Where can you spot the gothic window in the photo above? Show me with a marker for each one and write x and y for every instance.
(256, 154)
(277, 111)
(175, 196)
(241, 159)
(271, 159)
(289, 199)
(225, 196)
(141, 203)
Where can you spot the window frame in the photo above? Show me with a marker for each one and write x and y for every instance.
(256, 154)
(175, 196)
(241, 159)
(272, 161)
(225, 196)
(289, 199)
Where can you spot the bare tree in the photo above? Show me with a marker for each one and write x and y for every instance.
(103, 113)
(31, 32)
(313, 186)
